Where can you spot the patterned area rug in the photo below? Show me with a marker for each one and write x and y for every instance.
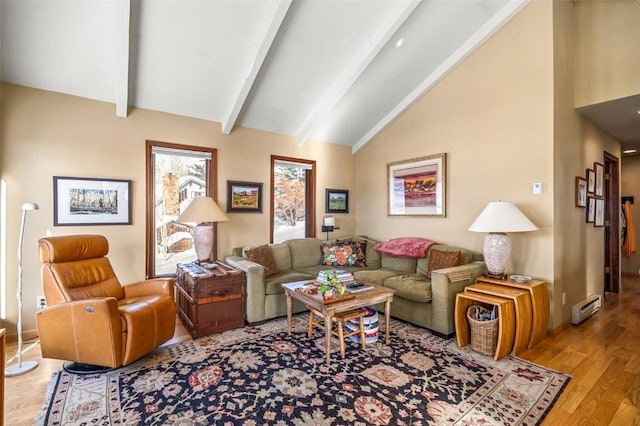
(262, 376)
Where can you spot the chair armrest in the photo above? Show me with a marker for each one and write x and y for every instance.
(149, 287)
(445, 284)
(86, 331)
(256, 288)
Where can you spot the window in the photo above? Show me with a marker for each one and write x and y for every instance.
(175, 175)
(292, 198)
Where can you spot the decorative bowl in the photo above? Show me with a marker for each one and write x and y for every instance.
(520, 278)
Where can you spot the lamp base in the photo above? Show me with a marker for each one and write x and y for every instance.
(203, 242)
(496, 251)
(495, 276)
(20, 368)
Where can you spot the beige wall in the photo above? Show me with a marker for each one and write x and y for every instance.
(630, 182)
(607, 50)
(492, 116)
(45, 134)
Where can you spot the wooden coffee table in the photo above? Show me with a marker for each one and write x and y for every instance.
(377, 294)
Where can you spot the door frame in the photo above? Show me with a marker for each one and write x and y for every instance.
(612, 223)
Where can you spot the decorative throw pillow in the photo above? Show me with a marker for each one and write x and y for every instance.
(264, 256)
(361, 251)
(339, 255)
(443, 259)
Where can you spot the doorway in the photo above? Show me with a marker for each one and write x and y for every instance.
(612, 224)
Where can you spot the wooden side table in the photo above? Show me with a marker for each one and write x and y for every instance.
(539, 293)
(522, 305)
(506, 320)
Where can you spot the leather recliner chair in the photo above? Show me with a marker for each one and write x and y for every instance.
(90, 317)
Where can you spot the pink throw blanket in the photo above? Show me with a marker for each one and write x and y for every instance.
(411, 247)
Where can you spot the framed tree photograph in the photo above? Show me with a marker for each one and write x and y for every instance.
(599, 215)
(337, 201)
(581, 192)
(91, 201)
(591, 209)
(599, 170)
(591, 182)
(416, 187)
(244, 197)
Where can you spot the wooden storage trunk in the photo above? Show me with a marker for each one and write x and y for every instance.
(210, 300)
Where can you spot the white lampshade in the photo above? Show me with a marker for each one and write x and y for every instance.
(329, 221)
(202, 211)
(498, 218)
(502, 216)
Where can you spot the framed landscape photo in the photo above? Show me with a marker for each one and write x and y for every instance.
(337, 201)
(244, 197)
(91, 201)
(581, 192)
(599, 170)
(416, 187)
(591, 182)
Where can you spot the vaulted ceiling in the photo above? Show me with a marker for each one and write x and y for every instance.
(338, 71)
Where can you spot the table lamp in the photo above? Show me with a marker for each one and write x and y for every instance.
(498, 218)
(21, 367)
(202, 211)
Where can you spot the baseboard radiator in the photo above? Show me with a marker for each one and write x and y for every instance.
(585, 308)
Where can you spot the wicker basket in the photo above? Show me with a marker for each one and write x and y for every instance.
(484, 334)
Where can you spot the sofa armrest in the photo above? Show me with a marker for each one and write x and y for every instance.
(445, 284)
(149, 287)
(86, 331)
(256, 289)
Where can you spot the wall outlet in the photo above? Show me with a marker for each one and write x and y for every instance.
(41, 302)
(564, 298)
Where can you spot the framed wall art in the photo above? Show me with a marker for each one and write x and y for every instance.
(417, 187)
(91, 201)
(599, 214)
(244, 197)
(581, 192)
(591, 182)
(599, 170)
(591, 209)
(337, 201)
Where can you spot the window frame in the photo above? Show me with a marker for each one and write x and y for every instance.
(211, 181)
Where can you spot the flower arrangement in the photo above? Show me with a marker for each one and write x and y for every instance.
(332, 285)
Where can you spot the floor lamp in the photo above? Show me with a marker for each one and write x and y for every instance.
(21, 367)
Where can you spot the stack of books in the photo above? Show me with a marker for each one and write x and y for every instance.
(345, 277)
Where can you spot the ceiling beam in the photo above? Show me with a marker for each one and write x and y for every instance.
(401, 12)
(122, 22)
(275, 16)
(469, 46)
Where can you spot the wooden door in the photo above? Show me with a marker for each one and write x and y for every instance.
(612, 224)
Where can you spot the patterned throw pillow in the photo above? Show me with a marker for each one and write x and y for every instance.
(264, 256)
(339, 255)
(361, 251)
(443, 259)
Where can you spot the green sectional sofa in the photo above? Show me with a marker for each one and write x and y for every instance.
(423, 297)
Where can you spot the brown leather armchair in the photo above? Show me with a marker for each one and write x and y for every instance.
(90, 317)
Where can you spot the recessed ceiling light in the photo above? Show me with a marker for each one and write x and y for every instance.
(629, 151)
(400, 41)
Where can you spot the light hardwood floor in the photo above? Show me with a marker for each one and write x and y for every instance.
(602, 355)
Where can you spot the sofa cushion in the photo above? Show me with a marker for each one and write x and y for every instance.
(361, 251)
(400, 264)
(374, 276)
(304, 252)
(273, 284)
(264, 256)
(339, 255)
(413, 287)
(442, 259)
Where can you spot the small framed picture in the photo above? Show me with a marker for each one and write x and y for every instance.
(244, 197)
(591, 182)
(599, 170)
(91, 201)
(599, 219)
(581, 192)
(337, 201)
(591, 209)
